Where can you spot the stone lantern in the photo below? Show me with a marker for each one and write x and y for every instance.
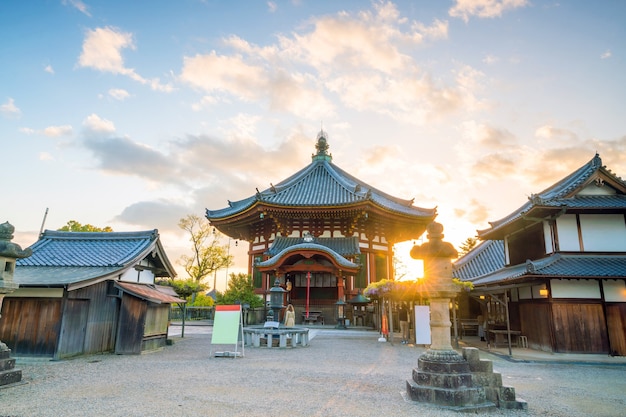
(444, 377)
(9, 252)
(437, 256)
(276, 299)
(340, 311)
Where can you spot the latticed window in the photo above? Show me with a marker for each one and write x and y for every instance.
(381, 267)
(360, 279)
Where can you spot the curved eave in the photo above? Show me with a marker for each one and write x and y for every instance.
(522, 219)
(311, 248)
(555, 196)
(320, 185)
(254, 206)
(568, 266)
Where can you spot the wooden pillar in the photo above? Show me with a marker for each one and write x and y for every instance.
(340, 286)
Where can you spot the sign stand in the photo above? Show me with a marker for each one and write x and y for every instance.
(228, 330)
(422, 325)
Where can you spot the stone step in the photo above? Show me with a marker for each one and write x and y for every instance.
(6, 364)
(10, 377)
(456, 397)
(4, 353)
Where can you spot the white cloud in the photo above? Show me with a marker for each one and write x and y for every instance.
(364, 59)
(490, 59)
(50, 131)
(10, 109)
(45, 156)
(205, 101)
(272, 6)
(465, 9)
(96, 124)
(556, 136)
(243, 126)
(78, 5)
(102, 51)
(119, 94)
(56, 131)
(607, 54)
(49, 69)
(219, 73)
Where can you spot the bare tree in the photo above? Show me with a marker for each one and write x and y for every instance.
(208, 255)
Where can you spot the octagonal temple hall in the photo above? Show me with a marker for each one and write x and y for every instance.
(322, 232)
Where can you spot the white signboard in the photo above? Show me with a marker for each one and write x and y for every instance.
(422, 325)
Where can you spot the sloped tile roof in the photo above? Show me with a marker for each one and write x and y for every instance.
(560, 266)
(322, 184)
(348, 246)
(61, 258)
(148, 292)
(486, 257)
(341, 261)
(617, 201)
(95, 249)
(60, 276)
(559, 195)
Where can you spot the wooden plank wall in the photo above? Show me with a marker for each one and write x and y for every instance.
(30, 326)
(131, 325)
(579, 328)
(156, 319)
(536, 325)
(616, 320)
(72, 340)
(102, 317)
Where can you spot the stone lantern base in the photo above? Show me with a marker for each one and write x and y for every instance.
(8, 375)
(462, 383)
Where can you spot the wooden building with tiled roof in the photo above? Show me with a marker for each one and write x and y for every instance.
(321, 232)
(84, 293)
(559, 262)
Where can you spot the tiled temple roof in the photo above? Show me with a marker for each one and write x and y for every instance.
(322, 184)
(61, 258)
(348, 246)
(486, 257)
(559, 266)
(561, 195)
(340, 260)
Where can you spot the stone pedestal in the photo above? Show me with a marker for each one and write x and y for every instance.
(9, 252)
(462, 383)
(8, 373)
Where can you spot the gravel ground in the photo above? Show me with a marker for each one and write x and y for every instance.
(341, 373)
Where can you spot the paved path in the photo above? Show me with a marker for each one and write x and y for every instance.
(341, 373)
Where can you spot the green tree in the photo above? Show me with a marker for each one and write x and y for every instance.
(203, 300)
(468, 245)
(184, 288)
(74, 226)
(241, 290)
(208, 256)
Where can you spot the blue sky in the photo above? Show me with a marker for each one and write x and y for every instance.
(135, 114)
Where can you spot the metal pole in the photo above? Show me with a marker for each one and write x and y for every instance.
(390, 314)
(508, 322)
(308, 290)
(182, 330)
(227, 255)
(456, 330)
(43, 222)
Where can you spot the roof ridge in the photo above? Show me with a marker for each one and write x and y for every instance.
(61, 234)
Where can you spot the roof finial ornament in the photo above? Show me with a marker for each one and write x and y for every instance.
(322, 147)
(596, 161)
